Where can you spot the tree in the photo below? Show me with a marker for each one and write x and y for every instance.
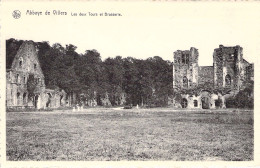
(113, 78)
(12, 46)
(88, 77)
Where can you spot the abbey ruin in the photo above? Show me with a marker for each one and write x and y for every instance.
(229, 72)
(205, 87)
(25, 67)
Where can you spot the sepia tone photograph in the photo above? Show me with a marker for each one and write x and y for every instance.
(62, 105)
(174, 82)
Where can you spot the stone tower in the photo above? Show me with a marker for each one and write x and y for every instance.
(229, 67)
(185, 69)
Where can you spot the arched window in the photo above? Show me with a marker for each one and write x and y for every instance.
(228, 80)
(183, 59)
(20, 62)
(48, 103)
(24, 99)
(185, 82)
(18, 98)
(24, 79)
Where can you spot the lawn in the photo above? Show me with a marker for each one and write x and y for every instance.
(131, 134)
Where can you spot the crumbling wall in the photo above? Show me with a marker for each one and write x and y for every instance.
(206, 75)
(25, 63)
(213, 100)
(185, 66)
(228, 62)
(229, 71)
(250, 72)
(54, 98)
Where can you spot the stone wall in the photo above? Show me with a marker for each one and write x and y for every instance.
(228, 67)
(26, 63)
(54, 98)
(205, 100)
(250, 72)
(206, 75)
(229, 72)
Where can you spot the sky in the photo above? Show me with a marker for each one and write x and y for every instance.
(145, 29)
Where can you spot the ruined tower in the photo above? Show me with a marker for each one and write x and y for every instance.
(199, 85)
(185, 69)
(230, 69)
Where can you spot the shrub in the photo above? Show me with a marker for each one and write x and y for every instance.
(128, 107)
(242, 99)
(231, 102)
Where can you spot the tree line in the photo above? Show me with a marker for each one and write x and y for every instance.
(143, 81)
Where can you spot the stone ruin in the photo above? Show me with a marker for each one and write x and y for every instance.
(192, 81)
(26, 63)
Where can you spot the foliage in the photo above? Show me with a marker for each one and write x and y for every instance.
(12, 47)
(205, 86)
(243, 99)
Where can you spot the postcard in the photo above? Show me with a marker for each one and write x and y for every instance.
(129, 83)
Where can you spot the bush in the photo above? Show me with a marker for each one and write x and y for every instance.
(242, 100)
(128, 107)
(231, 102)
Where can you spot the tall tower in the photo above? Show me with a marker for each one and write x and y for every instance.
(185, 69)
(229, 68)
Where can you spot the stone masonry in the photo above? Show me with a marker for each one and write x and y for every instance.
(26, 63)
(229, 71)
(230, 67)
(185, 68)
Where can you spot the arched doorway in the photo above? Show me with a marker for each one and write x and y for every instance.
(48, 103)
(18, 99)
(205, 102)
(36, 99)
(24, 99)
(184, 103)
(61, 97)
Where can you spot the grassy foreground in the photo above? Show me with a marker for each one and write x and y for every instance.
(134, 134)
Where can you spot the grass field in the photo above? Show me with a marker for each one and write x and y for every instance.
(134, 134)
